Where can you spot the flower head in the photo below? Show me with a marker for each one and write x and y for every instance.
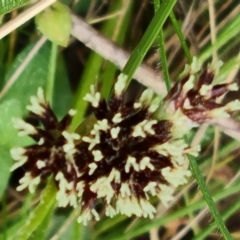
(196, 99)
(135, 150)
(128, 156)
(53, 152)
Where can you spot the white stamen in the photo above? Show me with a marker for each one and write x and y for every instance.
(233, 87)
(165, 194)
(114, 132)
(148, 126)
(93, 97)
(110, 211)
(189, 84)
(196, 65)
(120, 84)
(117, 118)
(18, 155)
(187, 104)
(151, 187)
(233, 106)
(97, 155)
(128, 206)
(133, 206)
(103, 188)
(176, 176)
(148, 209)
(93, 167)
(95, 214)
(174, 148)
(41, 141)
(145, 162)
(40, 164)
(147, 96)
(70, 145)
(100, 125)
(125, 190)
(80, 188)
(138, 130)
(92, 141)
(37, 103)
(131, 161)
(59, 176)
(23, 127)
(28, 181)
(65, 194)
(85, 217)
(137, 105)
(114, 176)
(204, 90)
(72, 112)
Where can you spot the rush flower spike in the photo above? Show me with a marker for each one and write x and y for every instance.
(195, 99)
(53, 152)
(128, 156)
(134, 150)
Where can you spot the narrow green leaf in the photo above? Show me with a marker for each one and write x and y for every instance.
(230, 211)
(208, 198)
(9, 5)
(41, 232)
(162, 50)
(178, 30)
(148, 38)
(55, 23)
(227, 34)
(39, 213)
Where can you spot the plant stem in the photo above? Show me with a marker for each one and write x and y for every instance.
(162, 51)
(208, 198)
(149, 36)
(180, 36)
(205, 232)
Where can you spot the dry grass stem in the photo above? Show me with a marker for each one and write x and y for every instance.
(24, 17)
(213, 31)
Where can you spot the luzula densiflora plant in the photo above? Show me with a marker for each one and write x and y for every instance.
(134, 150)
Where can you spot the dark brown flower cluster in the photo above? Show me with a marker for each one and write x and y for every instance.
(133, 151)
(53, 152)
(195, 99)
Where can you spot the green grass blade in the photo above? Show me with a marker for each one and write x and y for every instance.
(149, 36)
(163, 51)
(204, 233)
(208, 198)
(228, 33)
(180, 36)
(39, 213)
